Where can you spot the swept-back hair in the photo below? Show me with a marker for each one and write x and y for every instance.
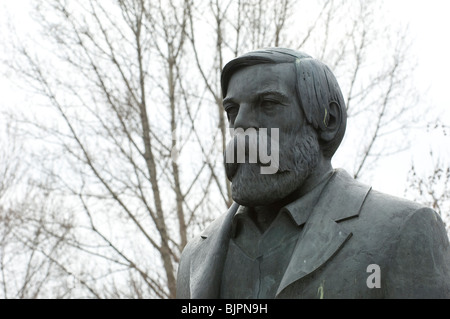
(316, 88)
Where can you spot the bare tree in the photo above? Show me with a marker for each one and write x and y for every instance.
(30, 232)
(130, 133)
(433, 190)
(116, 137)
(431, 184)
(32, 254)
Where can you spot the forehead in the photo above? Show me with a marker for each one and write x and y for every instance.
(251, 80)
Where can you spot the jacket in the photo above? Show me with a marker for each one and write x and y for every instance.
(356, 243)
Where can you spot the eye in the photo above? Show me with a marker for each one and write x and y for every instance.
(268, 104)
(232, 111)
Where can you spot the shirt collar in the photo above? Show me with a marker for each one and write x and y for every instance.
(301, 208)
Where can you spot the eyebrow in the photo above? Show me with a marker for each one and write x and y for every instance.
(277, 94)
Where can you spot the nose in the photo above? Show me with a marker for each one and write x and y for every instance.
(246, 117)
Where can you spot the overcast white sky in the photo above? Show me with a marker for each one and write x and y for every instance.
(429, 26)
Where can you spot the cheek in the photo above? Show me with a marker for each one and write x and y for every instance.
(289, 121)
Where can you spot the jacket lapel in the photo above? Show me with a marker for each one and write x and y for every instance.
(207, 266)
(323, 236)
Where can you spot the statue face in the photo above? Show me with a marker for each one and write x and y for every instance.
(264, 96)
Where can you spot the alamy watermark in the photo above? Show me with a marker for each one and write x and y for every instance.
(257, 149)
(254, 145)
(374, 280)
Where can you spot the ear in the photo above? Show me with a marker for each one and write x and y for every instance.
(333, 122)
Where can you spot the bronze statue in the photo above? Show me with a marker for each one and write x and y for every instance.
(308, 230)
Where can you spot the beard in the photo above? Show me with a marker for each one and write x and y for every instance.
(298, 156)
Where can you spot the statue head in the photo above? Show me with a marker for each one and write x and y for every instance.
(290, 91)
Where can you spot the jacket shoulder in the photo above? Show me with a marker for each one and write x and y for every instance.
(390, 208)
(416, 245)
(420, 261)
